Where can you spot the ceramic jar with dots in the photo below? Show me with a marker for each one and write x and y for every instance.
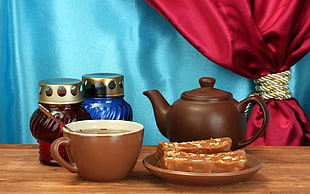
(103, 96)
(63, 98)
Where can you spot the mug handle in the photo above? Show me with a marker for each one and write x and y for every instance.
(241, 106)
(65, 141)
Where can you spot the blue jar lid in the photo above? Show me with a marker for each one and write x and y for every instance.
(100, 85)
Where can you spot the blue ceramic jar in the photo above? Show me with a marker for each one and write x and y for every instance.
(103, 96)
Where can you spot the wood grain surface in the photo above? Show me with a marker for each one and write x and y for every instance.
(285, 170)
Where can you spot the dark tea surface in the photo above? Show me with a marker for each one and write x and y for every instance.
(102, 131)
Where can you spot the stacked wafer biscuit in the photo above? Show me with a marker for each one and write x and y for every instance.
(206, 156)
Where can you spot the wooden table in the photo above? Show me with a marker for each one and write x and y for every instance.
(285, 170)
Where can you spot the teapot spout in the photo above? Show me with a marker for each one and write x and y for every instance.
(160, 108)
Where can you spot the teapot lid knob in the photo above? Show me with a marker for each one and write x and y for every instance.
(207, 82)
(207, 92)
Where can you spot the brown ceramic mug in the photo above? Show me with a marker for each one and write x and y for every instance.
(107, 155)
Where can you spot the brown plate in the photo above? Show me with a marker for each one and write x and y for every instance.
(202, 179)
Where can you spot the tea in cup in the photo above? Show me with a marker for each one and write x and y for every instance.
(100, 150)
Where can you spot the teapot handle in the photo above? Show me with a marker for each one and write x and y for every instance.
(241, 106)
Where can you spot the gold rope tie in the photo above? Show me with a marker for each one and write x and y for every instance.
(272, 86)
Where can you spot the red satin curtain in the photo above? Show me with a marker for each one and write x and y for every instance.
(253, 38)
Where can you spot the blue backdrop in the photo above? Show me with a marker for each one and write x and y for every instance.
(69, 38)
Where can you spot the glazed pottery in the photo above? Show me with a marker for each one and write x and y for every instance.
(100, 157)
(205, 113)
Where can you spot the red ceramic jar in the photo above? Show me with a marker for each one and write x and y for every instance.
(63, 98)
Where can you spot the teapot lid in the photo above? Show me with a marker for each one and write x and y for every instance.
(207, 92)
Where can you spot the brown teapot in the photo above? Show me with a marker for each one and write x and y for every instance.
(205, 113)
